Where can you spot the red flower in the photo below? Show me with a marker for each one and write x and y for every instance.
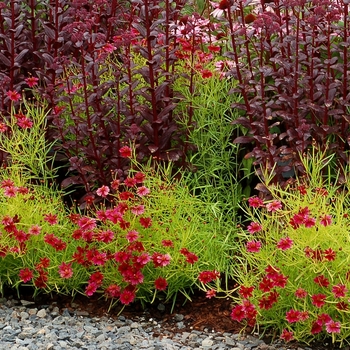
(86, 223)
(285, 243)
(127, 297)
(13, 95)
(25, 275)
(146, 222)
(91, 289)
(24, 123)
(31, 81)
(167, 243)
(321, 281)
(253, 246)
(266, 284)
(132, 236)
(97, 278)
(309, 222)
(191, 258)
(286, 335)
(112, 291)
(160, 283)
(65, 270)
(51, 219)
(139, 177)
(129, 182)
(329, 254)
(293, 316)
(339, 290)
(300, 293)
(237, 313)
(255, 202)
(318, 300)
(208, 276)
(246, 292)
(254, 227)
(206, 73)
(125, 152)
(326, 220)
(214, 48)
(316, 328)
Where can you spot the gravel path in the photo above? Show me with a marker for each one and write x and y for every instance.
(25, 326)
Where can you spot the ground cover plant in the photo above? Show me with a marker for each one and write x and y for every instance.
(293, 273)
(143, 240)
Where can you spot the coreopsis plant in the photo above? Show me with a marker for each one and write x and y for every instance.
(293, 273)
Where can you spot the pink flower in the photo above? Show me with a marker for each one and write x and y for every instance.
(254, 227)
(255, 202)
(31, 81)
(286, 335)
(25, 275)
(300, 293)
(210, 293)
(112, 291)
(132, 236)
(3, 127)
(138, 209)
(326, 220)
(238, 313)
(161, 260)
(24, 123)
(65, 270)
(160, 283)
(253, 246)
(103, 191)
(333, 327)
(274, 206)
(91, 289)
(285, 243)
(10, 192)
(339, 290)
(86, 223)
(34, 230)
(143, 191)
(13, 95)
(125, 152)
(309, 222)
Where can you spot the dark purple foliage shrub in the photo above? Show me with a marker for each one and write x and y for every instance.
(94, 108)
(292, 64)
